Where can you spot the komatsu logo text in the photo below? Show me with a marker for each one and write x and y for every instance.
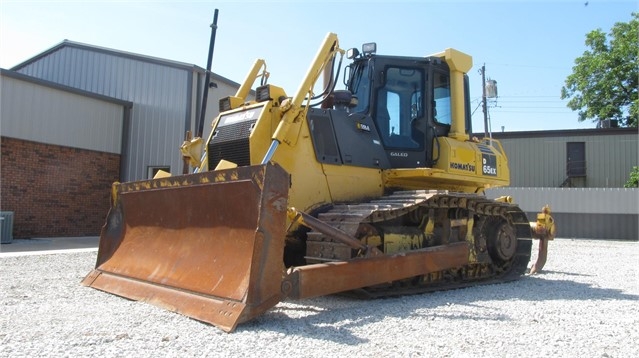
(238, 117)
(462, 166)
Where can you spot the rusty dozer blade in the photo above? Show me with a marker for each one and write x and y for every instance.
(207, 245)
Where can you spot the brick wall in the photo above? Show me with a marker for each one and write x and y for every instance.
(54, 190)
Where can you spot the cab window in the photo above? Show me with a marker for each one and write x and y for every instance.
(392, 104)
(441, 94)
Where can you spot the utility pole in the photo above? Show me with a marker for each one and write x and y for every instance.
(483, 99)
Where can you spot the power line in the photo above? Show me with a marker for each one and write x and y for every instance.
(534, 112)
(528, 96)
(528, 106)
(531, 100)
(531, 66)
(524, 99)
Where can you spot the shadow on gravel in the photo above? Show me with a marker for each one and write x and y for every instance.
(333, 318)
(561, 273)
(568, 290)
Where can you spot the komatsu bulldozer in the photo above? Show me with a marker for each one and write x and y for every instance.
(376, 189)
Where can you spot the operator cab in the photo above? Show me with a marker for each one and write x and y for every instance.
(409, 101)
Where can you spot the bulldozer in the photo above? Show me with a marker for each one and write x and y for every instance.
(373, 190)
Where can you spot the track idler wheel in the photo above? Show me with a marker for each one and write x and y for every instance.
(502, 243)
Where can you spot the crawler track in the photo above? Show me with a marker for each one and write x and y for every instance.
(498, 234)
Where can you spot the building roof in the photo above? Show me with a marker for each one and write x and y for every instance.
(124, 54)
(54, 85)
(562, 133)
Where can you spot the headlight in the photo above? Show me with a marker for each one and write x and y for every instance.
(225, 104)
(351, 53)
(369, 48)
(263, 93)
(230, 102)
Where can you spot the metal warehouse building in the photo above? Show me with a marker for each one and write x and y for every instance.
(77, 117)
(590, 158)
(166, 97)
(580, 173)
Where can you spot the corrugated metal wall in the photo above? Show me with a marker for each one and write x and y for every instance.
(161, 97)
(47, 115)
(536, 162)
(597, 213)
(609, 159)
(574, 200)
(541, 161)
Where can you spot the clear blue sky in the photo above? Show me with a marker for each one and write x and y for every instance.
(528, 47)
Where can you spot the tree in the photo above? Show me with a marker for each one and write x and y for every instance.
(603, 85)
(633, 180)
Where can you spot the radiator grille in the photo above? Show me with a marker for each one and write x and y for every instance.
(231, 143)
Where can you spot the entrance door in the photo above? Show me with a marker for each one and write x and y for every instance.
(576, 159)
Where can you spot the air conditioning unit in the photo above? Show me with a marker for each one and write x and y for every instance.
(6, 227)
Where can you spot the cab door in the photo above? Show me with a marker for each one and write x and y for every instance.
(399, 110)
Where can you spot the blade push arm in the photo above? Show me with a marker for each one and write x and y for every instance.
(292, 109)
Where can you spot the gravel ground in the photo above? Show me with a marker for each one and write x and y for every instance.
(585, 304)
